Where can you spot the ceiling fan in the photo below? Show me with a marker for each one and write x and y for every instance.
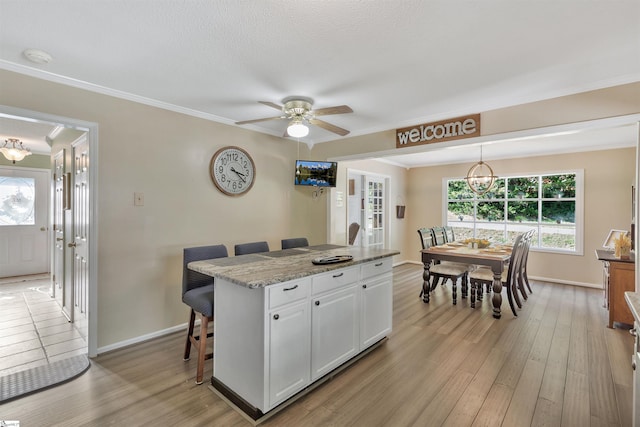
(298, 110)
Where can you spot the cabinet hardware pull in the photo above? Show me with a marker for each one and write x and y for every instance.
(317, 303)
(276, 316)
(633, 365)
(291, 288)
(338, 275)
(364, 286)
(379, 264)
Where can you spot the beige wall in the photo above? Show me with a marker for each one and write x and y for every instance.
(608, 178)
(166, 156)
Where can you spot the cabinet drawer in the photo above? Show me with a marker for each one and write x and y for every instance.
(333, 279)
(374, 268)
(285, 293)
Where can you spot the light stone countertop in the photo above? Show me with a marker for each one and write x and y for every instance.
(633, 301)
(268, 268)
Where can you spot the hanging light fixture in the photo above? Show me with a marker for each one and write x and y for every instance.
(297, 128)
(480, 177)
(14, 152)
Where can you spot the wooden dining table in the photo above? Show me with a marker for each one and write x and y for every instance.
(495, 256)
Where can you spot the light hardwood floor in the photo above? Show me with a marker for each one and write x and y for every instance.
(556, 364)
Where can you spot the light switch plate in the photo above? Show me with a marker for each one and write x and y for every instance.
(138, 199)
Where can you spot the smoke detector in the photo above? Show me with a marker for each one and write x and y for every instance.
(37, 56)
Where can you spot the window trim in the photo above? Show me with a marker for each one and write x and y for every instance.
(579, 206)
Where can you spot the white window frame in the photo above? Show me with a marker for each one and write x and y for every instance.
(579, 207)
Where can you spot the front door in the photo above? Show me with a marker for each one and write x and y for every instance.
(24, 237)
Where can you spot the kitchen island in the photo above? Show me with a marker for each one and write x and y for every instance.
(282, 324)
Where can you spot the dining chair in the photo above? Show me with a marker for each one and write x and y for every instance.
(444, 270)
(251, 248)
(449, 235)
(198, 293)
(354, 227)
(484, 277)
(294, 242)
(439, 236)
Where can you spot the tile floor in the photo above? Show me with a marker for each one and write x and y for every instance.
(33, 330)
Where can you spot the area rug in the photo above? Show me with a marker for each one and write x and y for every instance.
(29, 381)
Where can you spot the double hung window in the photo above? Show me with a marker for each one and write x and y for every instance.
(549, 203)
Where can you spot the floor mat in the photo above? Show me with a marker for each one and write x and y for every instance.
(36, 379)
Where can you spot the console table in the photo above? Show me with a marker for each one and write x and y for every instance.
(618, 278)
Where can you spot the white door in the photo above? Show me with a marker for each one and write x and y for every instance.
(374, 212)
(24, 237)
(60, 200)
(77, 283)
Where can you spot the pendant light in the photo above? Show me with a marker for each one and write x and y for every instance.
(480, 177)
(14, 152)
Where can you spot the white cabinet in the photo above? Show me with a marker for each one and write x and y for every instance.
(376, 302)
(274, 341)
(288, 351)
(375, 310)
(334, 329)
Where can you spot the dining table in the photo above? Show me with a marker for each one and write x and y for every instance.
(495, 256)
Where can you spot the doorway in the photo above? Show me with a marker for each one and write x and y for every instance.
(76, 255)
(24, 220)
(367, 207)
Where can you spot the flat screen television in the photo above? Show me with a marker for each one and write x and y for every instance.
(316, 173)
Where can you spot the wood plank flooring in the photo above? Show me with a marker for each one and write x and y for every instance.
(556, 364)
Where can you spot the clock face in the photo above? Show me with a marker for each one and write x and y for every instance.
(232, 170)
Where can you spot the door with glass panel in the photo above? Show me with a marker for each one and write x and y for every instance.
(24, 237)
(374, 212)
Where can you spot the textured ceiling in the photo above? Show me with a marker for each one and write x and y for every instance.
(395, 63)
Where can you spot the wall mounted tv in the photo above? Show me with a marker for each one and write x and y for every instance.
(316, 173)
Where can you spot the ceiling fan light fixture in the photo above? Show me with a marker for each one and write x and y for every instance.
(297, 129)
(14, 152)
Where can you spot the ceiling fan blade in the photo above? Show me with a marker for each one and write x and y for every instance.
(339, 109)
(328, 126)
(245, 122)
(271, 104)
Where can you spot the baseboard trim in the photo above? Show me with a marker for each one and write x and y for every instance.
(143, 338)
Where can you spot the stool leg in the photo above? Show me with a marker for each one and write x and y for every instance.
(202, 348)
(187, 346)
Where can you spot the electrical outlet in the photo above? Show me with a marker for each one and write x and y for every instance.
(138, 199)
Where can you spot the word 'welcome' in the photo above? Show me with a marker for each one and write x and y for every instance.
(445, 130)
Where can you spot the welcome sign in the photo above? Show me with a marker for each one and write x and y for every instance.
(445, 130)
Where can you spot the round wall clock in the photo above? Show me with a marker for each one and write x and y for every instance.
(232, 170)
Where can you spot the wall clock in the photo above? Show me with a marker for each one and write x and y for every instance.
(232, 170)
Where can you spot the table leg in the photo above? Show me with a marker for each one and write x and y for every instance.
(497, 293)
(426, 288)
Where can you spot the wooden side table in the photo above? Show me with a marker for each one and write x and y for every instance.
(619, 277)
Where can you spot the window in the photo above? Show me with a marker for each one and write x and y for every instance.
(17, 197)
(549, 203)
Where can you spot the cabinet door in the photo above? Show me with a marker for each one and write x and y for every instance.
(334, 330)
(289, 351)
(376, 309)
